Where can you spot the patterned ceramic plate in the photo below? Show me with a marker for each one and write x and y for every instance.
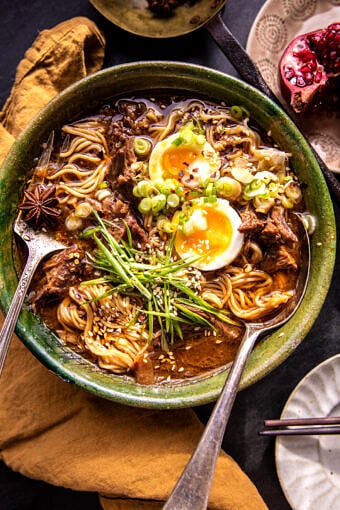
(276, 24)
(309, 466)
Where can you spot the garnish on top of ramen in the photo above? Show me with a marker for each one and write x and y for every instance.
(178, 219)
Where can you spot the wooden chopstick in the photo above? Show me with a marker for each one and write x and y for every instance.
(302, 426)
(286, 422)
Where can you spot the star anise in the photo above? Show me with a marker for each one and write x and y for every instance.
(40, 204)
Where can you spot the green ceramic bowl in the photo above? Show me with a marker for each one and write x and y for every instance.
(154, 76)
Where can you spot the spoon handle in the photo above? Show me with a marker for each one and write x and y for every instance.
(193, 487)
(237, 55)
(13, 313)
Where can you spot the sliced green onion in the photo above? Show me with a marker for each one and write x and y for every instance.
(227, 187)
(210, 199)
(178, 141)
(242, 174)
(165, 187)
(143, 189)
(142, 146)
(73, 222)
(172, 200)
(145, 205)
(158, 203)
(254, 188)
(293, 191)
(200, 139)
(288, 203)
(236, 112)
(239, 112)
(210, 190)
(166, 225)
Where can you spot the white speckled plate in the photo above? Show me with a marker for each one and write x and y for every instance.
(308, 467)
(276, 24)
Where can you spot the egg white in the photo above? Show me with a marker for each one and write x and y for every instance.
(210, 234)
(204, 162)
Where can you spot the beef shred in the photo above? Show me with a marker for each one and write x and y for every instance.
(63, 270)
(274, 235)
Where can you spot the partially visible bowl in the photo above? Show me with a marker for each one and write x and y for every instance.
(77, 101)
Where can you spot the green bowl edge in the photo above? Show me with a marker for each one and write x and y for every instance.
(270, 352)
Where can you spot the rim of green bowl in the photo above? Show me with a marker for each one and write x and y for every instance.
(77, 100)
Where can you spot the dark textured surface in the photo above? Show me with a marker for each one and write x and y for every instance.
(21, 22)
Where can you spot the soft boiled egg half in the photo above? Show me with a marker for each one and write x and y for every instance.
(185, 156)
(208, 233)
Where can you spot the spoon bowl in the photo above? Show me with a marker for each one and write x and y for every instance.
(39, 245)
(135, 17)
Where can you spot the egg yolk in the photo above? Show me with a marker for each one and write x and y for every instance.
(209, 242)
(177, 160)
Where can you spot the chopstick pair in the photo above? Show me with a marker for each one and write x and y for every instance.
(302, 426)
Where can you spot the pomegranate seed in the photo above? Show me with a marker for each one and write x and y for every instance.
(318, 76)
(309, 78)
(300, 82)
(289, 72)
(305, 68)
(299, 47)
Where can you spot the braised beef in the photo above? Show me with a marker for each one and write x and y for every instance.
(115, 208)
(276, 229)
(278, 258)
(131, 110)
(232, 333)
(128, 170)
(63, 270)
(251, 220)
(139, 235)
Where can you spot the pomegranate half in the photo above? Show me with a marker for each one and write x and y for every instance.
(307, 66)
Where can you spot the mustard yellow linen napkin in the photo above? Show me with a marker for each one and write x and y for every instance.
(56, 432)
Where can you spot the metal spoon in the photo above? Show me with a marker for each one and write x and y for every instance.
(39, 246)
(193, 487)
(135, 17)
